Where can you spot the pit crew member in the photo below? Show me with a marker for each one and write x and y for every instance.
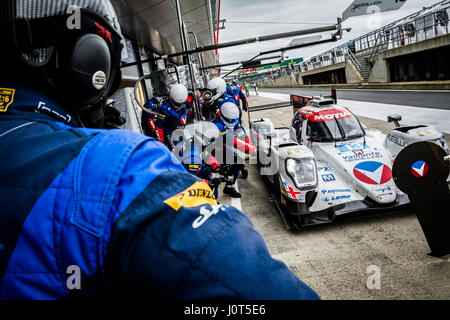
(171, 114)
(93, 213)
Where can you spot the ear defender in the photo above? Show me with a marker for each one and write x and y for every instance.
(88, 74)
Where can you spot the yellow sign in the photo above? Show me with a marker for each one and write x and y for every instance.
(6, 98)
(196, 195)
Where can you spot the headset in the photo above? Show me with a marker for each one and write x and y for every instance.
(83, 68)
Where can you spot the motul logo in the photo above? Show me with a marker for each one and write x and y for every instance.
(323, 117)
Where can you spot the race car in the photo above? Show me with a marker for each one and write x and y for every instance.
(326, 165)
(401, 136)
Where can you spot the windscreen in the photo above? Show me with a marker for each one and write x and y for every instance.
(341, 129)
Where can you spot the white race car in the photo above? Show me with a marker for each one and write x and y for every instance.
(327, 164)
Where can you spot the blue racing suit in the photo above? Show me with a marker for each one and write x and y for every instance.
(119, 208)
(198, 160)
(238, 95)
(167, 120)
(230, 139)
(220, 102)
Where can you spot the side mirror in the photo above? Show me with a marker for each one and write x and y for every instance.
(395, 118)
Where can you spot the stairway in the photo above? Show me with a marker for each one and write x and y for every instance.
(365, 68)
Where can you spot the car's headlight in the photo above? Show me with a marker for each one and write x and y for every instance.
(303, 172)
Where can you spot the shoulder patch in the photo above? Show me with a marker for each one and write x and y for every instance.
(6, 98)
(196, 195)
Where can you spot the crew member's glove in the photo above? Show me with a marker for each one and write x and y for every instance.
(220, 170)
(113, 119)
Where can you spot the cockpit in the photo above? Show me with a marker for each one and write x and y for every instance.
(335, 129)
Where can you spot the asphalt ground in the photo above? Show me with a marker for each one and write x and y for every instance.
(424, 99)
(336, 259)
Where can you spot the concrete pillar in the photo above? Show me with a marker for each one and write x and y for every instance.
(352, 74)
(380, 72)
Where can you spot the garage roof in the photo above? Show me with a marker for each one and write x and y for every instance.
(154, 23)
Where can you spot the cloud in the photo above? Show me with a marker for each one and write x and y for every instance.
(308, 12)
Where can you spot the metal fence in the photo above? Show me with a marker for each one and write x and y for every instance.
(422, 25)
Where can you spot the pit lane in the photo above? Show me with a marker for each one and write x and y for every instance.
(414, 98)
(334, 259)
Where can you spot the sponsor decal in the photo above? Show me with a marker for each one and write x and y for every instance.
(196, 195)
(328, 177)
(336, 198)
(353, 146)
(363, 156)
(372, 172)
(384, 191)
(102, 32)
(419, 169)
(325, 115)
(292, 193)
(290, 151)
(325, 169)
(6, 98)
(336, 191)
(42, 108)
(205, 214)
(99, 80)
(426, 132)
(397, 140)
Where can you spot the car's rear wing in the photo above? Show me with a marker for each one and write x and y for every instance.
(296, 101)
(301, 101)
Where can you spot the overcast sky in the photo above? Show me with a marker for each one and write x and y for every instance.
(313, 13)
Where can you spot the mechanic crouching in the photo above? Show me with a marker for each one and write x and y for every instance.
(234, 138)
(91, 213)
(196, 154)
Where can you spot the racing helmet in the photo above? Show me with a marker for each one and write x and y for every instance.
(229, 114)
(206, 133)
(71, 48)
(178, 96)
(218, 86)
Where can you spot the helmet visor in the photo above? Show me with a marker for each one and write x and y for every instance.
(230, 122)
(177, 106)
